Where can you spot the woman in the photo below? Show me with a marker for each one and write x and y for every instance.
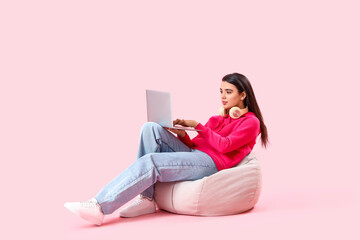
(221, 143)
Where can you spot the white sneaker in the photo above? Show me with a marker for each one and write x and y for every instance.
(140, 207)
(90, 210)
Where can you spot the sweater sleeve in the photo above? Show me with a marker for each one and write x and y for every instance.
(243, 134)
(187, 141)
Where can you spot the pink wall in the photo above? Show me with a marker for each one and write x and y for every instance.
(73, 76)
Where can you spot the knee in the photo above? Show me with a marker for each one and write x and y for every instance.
(150, 126)
(146, 161)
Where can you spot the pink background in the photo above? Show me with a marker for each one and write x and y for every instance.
(72, 101)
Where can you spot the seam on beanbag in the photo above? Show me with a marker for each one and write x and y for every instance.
(198, 198)
(172, 197)
(256, 188)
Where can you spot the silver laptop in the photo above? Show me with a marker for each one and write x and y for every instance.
(159, 109)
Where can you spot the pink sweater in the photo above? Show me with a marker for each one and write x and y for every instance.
(227, 141)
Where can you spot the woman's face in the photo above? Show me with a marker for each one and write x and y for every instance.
(230, 96)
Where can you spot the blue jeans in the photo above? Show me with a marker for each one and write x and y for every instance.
(161, 157)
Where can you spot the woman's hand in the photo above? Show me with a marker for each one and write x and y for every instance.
(185, 123)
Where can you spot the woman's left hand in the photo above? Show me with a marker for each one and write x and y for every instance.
(185, 123)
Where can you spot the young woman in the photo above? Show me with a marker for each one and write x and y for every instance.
(221, 143)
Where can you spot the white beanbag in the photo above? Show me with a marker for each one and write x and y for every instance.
(226, 192)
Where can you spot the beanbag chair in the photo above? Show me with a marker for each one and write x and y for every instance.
(229, 191)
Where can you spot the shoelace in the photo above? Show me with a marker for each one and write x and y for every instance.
(88, 204)
(139, 200)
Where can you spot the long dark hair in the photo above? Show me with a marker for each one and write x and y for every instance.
(243, 84)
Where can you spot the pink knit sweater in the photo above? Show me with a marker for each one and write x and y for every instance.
(227, 141)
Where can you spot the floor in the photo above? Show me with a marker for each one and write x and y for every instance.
(296, 202)
(288, 215)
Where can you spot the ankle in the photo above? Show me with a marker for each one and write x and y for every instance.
(146, 198)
